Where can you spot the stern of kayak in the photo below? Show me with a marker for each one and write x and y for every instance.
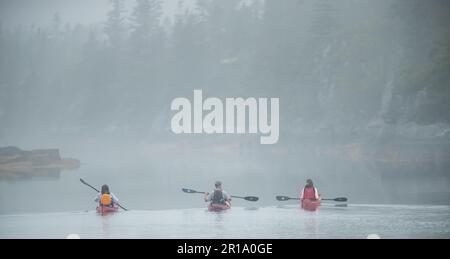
(103, 209)
(310, 205)
(219, 207)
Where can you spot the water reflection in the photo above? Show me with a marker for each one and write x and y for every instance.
(310, 225)
(35, 174)
(153, 183)
(21, 165)
(106, 224)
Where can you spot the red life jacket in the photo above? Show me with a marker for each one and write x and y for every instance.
(309, 193)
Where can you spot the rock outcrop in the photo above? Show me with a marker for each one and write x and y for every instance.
(48, 162)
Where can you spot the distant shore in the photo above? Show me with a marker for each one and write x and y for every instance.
(15, 160)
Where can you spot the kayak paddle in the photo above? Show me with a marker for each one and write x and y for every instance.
(247, 198)
(190, 191)
(85, 183)
(341, 199)
(286, 198)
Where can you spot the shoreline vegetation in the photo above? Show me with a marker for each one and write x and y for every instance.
(39, 162)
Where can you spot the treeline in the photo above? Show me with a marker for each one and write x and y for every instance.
(330, 62)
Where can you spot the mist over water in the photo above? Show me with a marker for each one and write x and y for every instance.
(363, 87)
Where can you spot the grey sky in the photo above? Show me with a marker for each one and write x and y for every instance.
(40, 12)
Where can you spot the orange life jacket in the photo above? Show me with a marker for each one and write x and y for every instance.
(106, 200)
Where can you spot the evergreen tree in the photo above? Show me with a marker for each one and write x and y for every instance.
(146, 23)
(115, 27)
(56, 23)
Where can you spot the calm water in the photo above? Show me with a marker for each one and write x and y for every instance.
(156, 184)
(354, 221)
(57, 204)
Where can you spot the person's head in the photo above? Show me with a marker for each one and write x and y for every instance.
(309, 183)
(218, 185)
(105, 189)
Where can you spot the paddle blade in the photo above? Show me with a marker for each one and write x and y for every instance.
(283, 198)
(189, 190)
(82, 181)
(251, 198)
(342, 199)
(122, 207)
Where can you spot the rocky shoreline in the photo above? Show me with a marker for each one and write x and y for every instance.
(13, 160)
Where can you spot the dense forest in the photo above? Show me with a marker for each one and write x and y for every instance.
(350, 63)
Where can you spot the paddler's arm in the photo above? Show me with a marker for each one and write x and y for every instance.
(226, 197)
(114, 198)
(206, 197)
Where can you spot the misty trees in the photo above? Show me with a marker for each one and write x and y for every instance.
(56, 22)
(187, 55)
(422, 89)
(282, 58)
(115, 27)
(229, 42)
(329, 62)
(147, 38)
(146, 61)
(4, 86)
(146, 29)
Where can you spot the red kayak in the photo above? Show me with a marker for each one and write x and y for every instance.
(219, 207)
(310, 205)
(106, 209)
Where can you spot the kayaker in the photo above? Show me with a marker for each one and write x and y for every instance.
(105, 198)
(218, 196)
(309, 191)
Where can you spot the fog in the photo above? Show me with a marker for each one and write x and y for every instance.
(363, 87)
(28, 12)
